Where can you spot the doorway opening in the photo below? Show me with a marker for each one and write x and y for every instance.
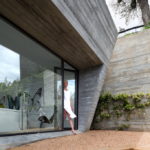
(69, 74)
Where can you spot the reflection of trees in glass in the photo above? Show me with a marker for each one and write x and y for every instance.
(7, 86)
(10, 92)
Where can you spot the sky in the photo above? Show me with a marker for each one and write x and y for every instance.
(9, 64)
(120, 22)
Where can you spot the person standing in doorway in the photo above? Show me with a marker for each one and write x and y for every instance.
(67, 106)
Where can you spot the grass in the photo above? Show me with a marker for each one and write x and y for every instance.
(147, 27)
(130, 34)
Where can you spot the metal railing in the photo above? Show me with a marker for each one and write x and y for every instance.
(131, 29)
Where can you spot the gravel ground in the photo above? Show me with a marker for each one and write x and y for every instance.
(94, 140)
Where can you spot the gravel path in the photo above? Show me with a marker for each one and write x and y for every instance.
(94, 140)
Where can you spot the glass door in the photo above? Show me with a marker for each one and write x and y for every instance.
(70, 77)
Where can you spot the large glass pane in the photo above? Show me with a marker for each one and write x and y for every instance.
(30, 88)
(27, 94)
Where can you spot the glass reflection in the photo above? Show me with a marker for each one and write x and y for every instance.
(28, 100)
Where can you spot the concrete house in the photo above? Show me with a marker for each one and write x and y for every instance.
(43, 43)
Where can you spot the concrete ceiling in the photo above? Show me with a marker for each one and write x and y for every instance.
(42, 20)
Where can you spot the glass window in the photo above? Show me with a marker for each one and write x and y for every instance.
(31, 85)
(30, 88)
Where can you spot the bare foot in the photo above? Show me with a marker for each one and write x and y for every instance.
(74, 132)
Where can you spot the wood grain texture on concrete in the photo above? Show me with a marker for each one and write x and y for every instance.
(81, 32)
(90, 83)
(92, 19)
(45, 23)
(129, 70)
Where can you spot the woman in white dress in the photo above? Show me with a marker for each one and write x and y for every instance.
(67, 106)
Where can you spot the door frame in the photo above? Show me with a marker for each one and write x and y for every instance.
(76, 96)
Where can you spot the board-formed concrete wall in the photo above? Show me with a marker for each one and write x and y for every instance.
(92, 20)
(129, 72)
(90, 84)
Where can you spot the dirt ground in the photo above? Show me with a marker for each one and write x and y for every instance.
(94, 140)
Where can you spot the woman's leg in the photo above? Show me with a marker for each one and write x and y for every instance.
(72, 125)
(65, 114)
(70, 122)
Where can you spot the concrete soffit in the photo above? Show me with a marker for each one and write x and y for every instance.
(68, 14)
(43, 21)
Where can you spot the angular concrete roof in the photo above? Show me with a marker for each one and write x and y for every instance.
(47, 24)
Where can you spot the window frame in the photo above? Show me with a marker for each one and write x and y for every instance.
(62, 73)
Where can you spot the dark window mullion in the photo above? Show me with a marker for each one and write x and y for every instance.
(62, 73)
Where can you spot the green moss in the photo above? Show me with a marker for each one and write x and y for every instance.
(104, 115)
(118, 113)
(120, 104)
(129, 107)
(123, 126)
(147, 26)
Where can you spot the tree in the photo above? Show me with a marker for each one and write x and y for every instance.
(144, 6)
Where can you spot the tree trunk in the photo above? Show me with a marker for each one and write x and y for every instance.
(144, 6)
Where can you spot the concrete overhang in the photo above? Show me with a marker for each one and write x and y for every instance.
(43, 21)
